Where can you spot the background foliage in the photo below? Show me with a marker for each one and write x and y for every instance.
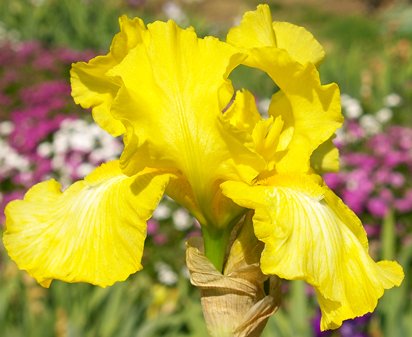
(43, 134)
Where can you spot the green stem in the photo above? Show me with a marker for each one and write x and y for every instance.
(391, 311)
(216, 241)
(388, 236)
(299, 308)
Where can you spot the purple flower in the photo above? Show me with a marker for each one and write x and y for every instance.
(355, 130)
(372, 179)
(372, 230)
(316, 327)
(404, 204)
(333, 180)
(152, 227)
(362, 160)
(160, 239)
(382, 176)
(355, 200)
(350, 328)
(394, 158)
(378, 207)
(6, 198)
(35, 97)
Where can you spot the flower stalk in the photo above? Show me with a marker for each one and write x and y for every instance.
(215, 245)
(234, 302)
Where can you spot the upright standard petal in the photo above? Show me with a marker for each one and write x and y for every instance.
(257, 30)
(298, 42)
(92, 232)
(175, 88)
(310, 111)
(309, 234)
(325, 158)
(92, 88)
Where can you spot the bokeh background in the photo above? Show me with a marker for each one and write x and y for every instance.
(44, 134)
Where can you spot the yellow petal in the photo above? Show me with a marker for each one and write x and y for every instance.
(92, 232)
(298, 42)
(325, 158)
(220, 207)
(175, 89)
(243, 113)
(92, 88)
(309, 234)
(311, 111)
(266, 136)
(256, 30)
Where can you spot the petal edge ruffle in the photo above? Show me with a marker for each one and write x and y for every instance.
(309, 234)
(92, 232)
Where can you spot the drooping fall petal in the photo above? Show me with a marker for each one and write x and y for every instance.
(92, 232)
(309, 234)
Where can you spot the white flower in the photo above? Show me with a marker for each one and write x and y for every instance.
(83, 142)
(351, 107)
(181, 219)
(384, 115)
(45, 149)
(352, 184)
(6, 128)
(174, 11)
(370, 124)
(10, 160)
(165, 274)
(58, 162)
(162, 212)
(84, 169)
(392, 100)
(60, 142)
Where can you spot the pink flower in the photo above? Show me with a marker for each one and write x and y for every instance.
(152, 227)
(378, 207)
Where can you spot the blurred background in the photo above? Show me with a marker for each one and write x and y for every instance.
(44, 134)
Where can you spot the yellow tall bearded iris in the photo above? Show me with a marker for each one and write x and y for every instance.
(187, 133)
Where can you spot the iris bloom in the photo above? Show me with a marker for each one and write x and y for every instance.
(189, 134)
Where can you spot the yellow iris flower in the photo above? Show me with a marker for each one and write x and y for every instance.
(187, 133)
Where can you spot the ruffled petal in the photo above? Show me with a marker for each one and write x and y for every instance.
(266, 136)
(325, 158)
(257, 30)
(298, 42)
(92, 88)
(311, 111)
(92, 232)
(242, 112)
(175, 89)
(309, 234)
